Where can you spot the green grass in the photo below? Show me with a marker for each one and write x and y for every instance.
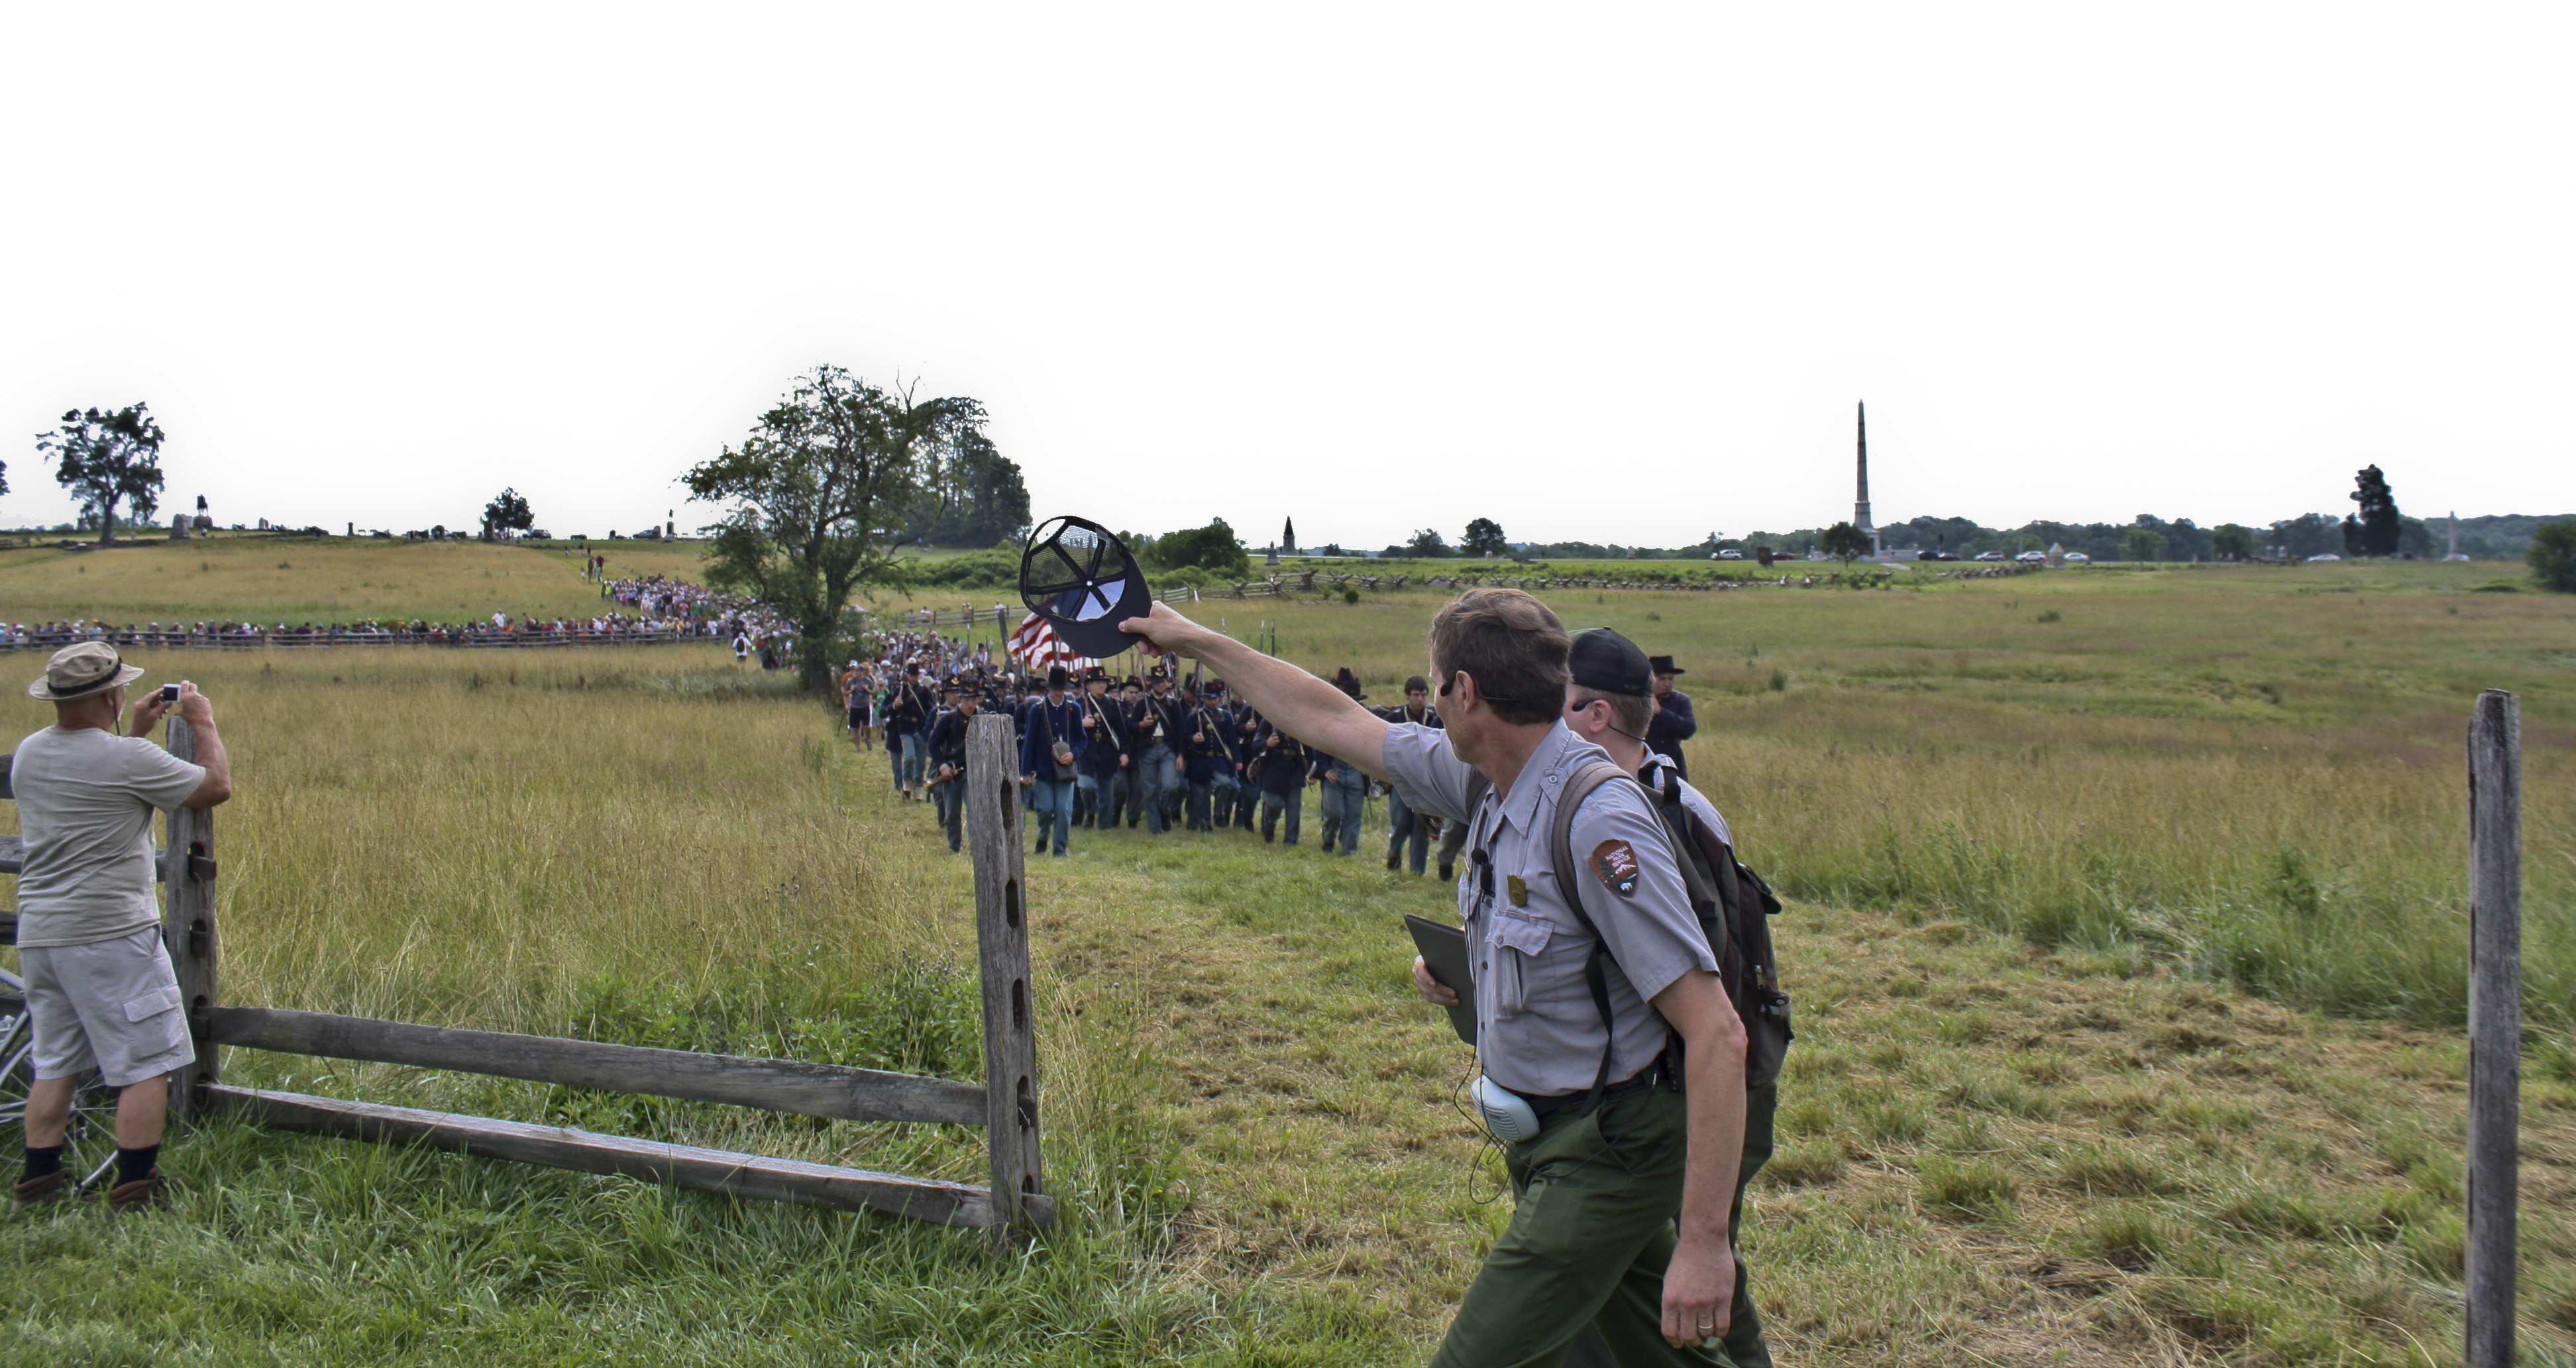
(294, 580)
(1999, 1140)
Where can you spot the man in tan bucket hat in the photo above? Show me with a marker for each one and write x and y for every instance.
(100, 991)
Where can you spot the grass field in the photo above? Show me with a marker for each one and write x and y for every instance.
(2040, 836)
(272, 580)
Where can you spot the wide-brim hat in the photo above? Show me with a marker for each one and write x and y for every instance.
(91, 667)
(1665, 665)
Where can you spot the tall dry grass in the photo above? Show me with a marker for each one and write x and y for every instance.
(2254, 772)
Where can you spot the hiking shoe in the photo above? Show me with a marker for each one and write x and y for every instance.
(151, 1192)
(51, 1187)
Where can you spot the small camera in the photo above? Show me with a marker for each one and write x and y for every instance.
(169, 693)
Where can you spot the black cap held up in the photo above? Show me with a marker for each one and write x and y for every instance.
(1610, 663)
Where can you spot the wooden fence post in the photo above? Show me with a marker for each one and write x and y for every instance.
(188, 930)
(1002, 946)
(2495, 1023)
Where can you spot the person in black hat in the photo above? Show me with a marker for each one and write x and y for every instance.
(946, 744)
(1404, 827)
(1051, 739)
(1156, 723)
(1673, 722)
(1610, 702)
(1345, 786)
(1104, 753)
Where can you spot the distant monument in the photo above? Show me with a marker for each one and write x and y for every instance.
(1288, 539)
(2454, 553)
(204, 522)
(1860, 510)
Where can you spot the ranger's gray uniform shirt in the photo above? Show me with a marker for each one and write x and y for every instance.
(1537, 1030)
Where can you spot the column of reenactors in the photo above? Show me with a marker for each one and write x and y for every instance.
(1156, 751)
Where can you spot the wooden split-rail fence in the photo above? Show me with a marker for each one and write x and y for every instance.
(1005, 1104)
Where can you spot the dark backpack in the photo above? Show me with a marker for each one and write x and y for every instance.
(1733, 903)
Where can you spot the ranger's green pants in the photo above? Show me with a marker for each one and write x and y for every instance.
(1590, 1237)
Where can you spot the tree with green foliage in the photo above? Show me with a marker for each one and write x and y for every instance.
(992, 501)
(2374, 533)
(2229, 541)
(1426, 545)
(1845, 543)
(107, 459)
(1484, 537)
(2552, 556)
(816, 493)
(2141, 545)
(1213, 548)
(508, 512)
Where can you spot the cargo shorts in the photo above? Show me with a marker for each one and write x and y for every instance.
(110, 1005)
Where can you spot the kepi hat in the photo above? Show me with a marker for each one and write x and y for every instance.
(91, 667)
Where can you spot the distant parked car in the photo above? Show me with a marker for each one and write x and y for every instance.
(2328, 556)
(1730, 555)
(2078, 558)
(2032, 557)
(1990, 555)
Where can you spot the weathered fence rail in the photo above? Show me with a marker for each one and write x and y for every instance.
(1005, 1104)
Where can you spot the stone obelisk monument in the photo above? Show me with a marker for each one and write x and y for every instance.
(1860, 510)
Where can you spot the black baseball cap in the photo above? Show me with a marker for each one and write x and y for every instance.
(1605, 661)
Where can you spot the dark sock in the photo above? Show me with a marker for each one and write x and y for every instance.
(132, 1164)
(43, 1161)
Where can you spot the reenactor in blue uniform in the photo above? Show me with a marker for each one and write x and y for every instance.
(1050, 757)
(1674, 722)
(1209, 758)
(1403, 826)
(1283, 764)
(1104, 753)
(1247, 727)
(1159, 733)
(946, 747)
(1345, 786)
(1613, 1060)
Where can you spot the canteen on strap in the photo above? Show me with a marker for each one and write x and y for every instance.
(1079, 577)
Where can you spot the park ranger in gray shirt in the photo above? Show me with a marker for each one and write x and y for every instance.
(1609, 1154)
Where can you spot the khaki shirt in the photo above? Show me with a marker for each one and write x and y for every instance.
(1537, 1030)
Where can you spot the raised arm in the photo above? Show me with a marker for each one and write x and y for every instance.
(1296, 702)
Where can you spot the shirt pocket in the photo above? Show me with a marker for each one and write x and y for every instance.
(1518, 941)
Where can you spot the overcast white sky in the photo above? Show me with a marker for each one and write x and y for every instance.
(1610, 273)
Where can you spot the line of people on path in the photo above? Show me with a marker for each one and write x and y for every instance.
(1153, 751)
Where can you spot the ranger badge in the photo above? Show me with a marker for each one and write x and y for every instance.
(1616, 863)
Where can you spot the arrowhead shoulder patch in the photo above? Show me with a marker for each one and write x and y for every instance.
(1615, 862)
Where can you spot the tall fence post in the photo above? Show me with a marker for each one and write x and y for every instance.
(1002, 946)
(188, 930)
(2495, 1023)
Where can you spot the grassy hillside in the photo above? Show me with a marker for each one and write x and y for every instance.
(290, 580)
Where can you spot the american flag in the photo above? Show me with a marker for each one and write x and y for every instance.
(1036, 645)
